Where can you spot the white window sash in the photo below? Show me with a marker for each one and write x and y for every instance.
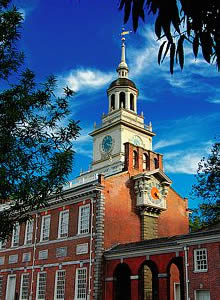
(84, 219)
(81, 284)
(63, 224)
(197, 262)
(29, 232)
(60, 283)
(45, 228)
(15, 236)
(22, 287)
(39, 297)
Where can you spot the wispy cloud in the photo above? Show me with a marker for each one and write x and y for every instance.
(85, 80)
(167, 143)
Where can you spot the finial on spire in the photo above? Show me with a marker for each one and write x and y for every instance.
(123, 67)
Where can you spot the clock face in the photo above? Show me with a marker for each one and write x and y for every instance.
(107, 143)
(136, 140)
(154, 193)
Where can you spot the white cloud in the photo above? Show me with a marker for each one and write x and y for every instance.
(85, 79)
(167, 143)
(214, 100)
(22, 11)
(187, 164)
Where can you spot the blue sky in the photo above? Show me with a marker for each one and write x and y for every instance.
(79, 42)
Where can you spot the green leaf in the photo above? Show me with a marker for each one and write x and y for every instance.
(181, 51)
(158, 27)
(196, 45)
(127, 11)
(161, 51)
(166, 51)
(172, 55)
(206, 44)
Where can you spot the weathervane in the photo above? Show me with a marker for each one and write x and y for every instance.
(124, 32)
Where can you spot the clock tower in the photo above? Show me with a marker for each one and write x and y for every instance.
(121, 124)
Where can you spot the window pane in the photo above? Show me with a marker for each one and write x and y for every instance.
(45, 228)
(81, 282)
(24, 287)
(60, 285)
(84, 219)
(64, 223)
(41, 291)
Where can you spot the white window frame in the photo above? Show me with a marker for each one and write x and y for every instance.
(2, 260)
(196, 262)
(43, 251)
(38, 285)
(1, 286)
(81, 228)
(196, 294)
(63, 229)
(77, 284)
(44, 237)
(22, 286)
(56, 284)
(15, 236)
(2, 244)
(29, 231)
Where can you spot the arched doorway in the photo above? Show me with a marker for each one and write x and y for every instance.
(148, 281)
(122, 282)
(175, 281)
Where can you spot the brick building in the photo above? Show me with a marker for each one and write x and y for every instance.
(181, 267)
(126, 197)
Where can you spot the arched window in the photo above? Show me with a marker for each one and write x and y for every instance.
(131, 102)
(135, 159)
(122, 100)
(113, 102)
(145, 162)
(156, 163)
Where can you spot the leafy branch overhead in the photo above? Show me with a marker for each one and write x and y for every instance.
(196, 22)
(36, 132)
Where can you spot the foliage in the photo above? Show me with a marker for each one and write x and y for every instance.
(10, 23)
(197, 22)
(207, 188)
(36, 149)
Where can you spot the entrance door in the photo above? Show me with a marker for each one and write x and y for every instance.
(202, 295)
(10, 294)
(177, 291)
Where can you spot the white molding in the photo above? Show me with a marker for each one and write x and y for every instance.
(59, 226)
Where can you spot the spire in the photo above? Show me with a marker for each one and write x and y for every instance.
(123, 67)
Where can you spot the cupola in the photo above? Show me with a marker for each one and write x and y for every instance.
(122, 92)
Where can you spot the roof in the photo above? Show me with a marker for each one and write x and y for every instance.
(122, 82)
(162, 242)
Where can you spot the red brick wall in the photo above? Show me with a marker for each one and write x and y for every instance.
(174, 220)
(122, 224)
(209, 280)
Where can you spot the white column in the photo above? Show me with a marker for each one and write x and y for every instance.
(135, 103)
(127, 102)
(116, 100)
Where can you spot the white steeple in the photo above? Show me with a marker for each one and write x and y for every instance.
(123, 67)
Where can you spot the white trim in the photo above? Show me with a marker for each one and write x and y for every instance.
(55, 287)
(9, 287)
(76, 283)
(176, 284)
(42, 227)
(29, 223)
(37, 289)
(63, 212)
(196, 270)
(1, 286)
(80, 218)
(16, 230)
(202, 290)
(21, 285)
